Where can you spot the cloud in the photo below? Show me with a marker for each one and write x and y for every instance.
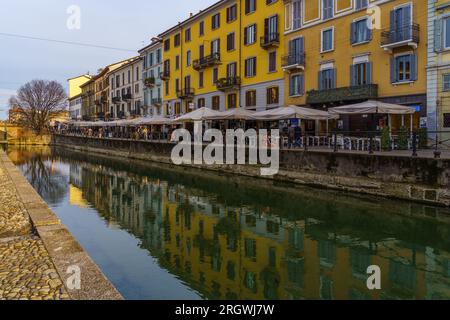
(5, 94)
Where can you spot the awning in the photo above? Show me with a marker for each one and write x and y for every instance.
(234, 114)
(197, 115)
(372, 107)
(293, 112)
(155, 120)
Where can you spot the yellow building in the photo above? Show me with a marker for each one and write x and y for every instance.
(76, 83)
(439, 70)
(226, 56)
(88, 97)
(348, 51)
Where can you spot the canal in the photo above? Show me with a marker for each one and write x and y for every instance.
(163, 232)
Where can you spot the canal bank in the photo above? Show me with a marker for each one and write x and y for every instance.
(418, 179)
(38, 255)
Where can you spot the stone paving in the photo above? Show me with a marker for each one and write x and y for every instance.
(26, 269)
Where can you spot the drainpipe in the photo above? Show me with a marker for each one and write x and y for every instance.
(240, 51)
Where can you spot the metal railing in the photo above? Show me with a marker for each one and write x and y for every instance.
(293, 60)
(270, 39)
(406, 33)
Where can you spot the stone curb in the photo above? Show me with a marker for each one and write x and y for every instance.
(62, 247)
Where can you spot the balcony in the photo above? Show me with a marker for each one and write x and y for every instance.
(116, 100)
(205, 62)
(228, 84)
(156, 101)
(165, 75)
(343, 94)
(270, 40)
(97, 102)
(149, 82)
(186, 93)
(127, 97)
(399, 37)
(103, 99)
(293, 62)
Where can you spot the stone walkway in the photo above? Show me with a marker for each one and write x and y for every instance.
(26, 269)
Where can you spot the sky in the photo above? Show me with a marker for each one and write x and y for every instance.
(126, 25)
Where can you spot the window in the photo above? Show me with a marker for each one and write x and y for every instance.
(270, 1)
(167, 67)
(230, 41)
(446, 119)
(327, 79)
(215, 103)
(327, 9)
(231, 13)
(404, 68)
(250, 6)
(296, 14)
(272, 61)
(158, 56)
(201, 28)
(327, 40)
(296, 51)
(360, 32)
(200, 79)
(215, 46)
(177, 85)
(360, 74)
(215, 75)
(187, 35)
(188, 58)
(296, 85)
(231, 69)
(136, 88)
(250, 34)
(129, 76)
(446, 33)
(232, 100)
(250, 98)
(215, 21)
(167, 45)
(137, 73)
(150, 59)
(177, 40)
(446, 82)
(250, 67)
(361, 4)
(166, 86)
(201, 103)
(272, 95)
(271, 29)
(177, 62)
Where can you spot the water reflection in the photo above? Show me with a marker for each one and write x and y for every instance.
(232, 238)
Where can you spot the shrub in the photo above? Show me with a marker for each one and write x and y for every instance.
(403, 136)
(385, 139)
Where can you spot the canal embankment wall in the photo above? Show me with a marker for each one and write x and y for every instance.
(420, 179)
(56, 244)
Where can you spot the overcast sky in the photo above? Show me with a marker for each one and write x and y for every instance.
(122, 24)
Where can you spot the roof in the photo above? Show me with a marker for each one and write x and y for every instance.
(130, 62)
(194, 17)
(155, 42)
(75, 97)
(83, 75)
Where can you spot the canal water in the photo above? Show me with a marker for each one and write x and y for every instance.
(160, 232)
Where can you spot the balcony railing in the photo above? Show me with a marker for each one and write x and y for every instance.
(293, 61)
(127, 97)
(149, 82)
(407, 35)
(186, 93)
(98, 102)
(156, 101)
(205, 62)
(343, 94)
(165, 75)
(228, 83)
(270, 40)
(116, 100)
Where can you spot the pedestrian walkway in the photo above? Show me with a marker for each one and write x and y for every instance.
(26, 268)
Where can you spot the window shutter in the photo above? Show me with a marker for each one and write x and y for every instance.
(266, 28)
(320, 80)
(369, 72)
(245, 36)
(288, 17)
(254, 66)
(369, 33)
(301, 45)
(333, 78)
(302, 84)
(352, 33)
(352, 75)
(291, 86)
(392, 17)
(438, 38)
(393, 71)
(413, 67)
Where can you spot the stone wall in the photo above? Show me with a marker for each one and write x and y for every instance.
(418, 179)
(18, 135)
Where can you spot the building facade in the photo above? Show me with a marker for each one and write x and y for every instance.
(125, 98)
(88, 99)
(75, 96)
(438, 77)
(226, 56)
(152, 57)
(348, 51)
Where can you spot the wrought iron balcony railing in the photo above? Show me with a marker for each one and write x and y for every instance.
(165, 75)
(293, 61)
(270, 40)
(156, 101)
(228, 83)
(127, 97)
(116, 100)
(401, 36)
(149, 82)
(343, 94)
(186, 93)
(205, 62)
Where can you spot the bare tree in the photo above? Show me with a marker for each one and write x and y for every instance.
(39, 101)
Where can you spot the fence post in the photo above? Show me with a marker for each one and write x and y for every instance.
(414, 146)
(335, 148)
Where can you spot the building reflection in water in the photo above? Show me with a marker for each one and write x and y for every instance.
(251, 248)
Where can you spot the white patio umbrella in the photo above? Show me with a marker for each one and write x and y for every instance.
(155, 120)
(234, 114)
(293, 112)
(197, 115)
